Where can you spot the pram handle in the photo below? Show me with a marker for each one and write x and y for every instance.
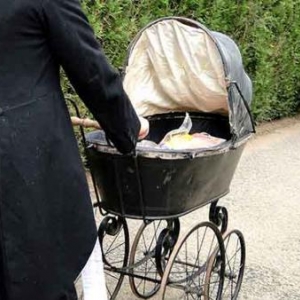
(86, 122)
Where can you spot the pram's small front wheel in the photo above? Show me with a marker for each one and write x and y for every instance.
(185, 276)
(235, 253)
(114, 240)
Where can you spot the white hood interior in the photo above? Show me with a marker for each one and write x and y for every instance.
(175, 67)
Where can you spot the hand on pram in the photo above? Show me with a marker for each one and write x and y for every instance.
(88, 123)
(144, 131)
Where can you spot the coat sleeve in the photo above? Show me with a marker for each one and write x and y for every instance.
(76, 49)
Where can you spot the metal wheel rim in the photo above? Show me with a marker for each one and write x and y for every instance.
(235, 292)
(242, 249)
(113, 292)
(176, 250)
(132, 261)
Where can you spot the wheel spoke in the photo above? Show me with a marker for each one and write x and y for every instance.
(226, 253)
(237, 243)
(154, 235)
(215, 282)
(115, 262)
(112, 276)
(112, 242)
(143, 236)
(231, 287)
(155, 231)
(198, 252)
(234, 255)
(112, 249)
(142, 272)
(199, 281)
(186, 256)
(209, 253)
(108, 290)
(225, 290)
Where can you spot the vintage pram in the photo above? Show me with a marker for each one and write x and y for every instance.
(201, 72)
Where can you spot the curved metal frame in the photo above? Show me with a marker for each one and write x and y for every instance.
(165, 244)
(219, 216)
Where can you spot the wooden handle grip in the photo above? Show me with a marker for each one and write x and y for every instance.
(87, 123)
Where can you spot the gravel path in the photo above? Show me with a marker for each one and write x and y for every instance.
(264, 205)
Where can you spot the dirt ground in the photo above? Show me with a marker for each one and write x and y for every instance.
(264, 205)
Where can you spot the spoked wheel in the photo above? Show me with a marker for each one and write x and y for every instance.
(185, 274)
(114, 240)
(235, 253)
(150, 250)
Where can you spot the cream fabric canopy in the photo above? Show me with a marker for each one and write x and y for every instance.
(175, 67)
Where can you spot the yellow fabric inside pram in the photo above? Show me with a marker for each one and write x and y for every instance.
(191, 141)
(181, 139)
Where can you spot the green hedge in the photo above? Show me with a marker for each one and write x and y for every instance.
(267, 32)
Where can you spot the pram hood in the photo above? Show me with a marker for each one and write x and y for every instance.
(176, 64)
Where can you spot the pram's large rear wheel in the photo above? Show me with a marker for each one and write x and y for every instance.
(185, 276)
(114, 240)
(151, 248)
(235, 253)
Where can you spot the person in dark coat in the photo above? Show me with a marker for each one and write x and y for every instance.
(47, 228)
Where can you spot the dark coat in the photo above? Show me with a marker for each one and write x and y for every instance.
(47, 229)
